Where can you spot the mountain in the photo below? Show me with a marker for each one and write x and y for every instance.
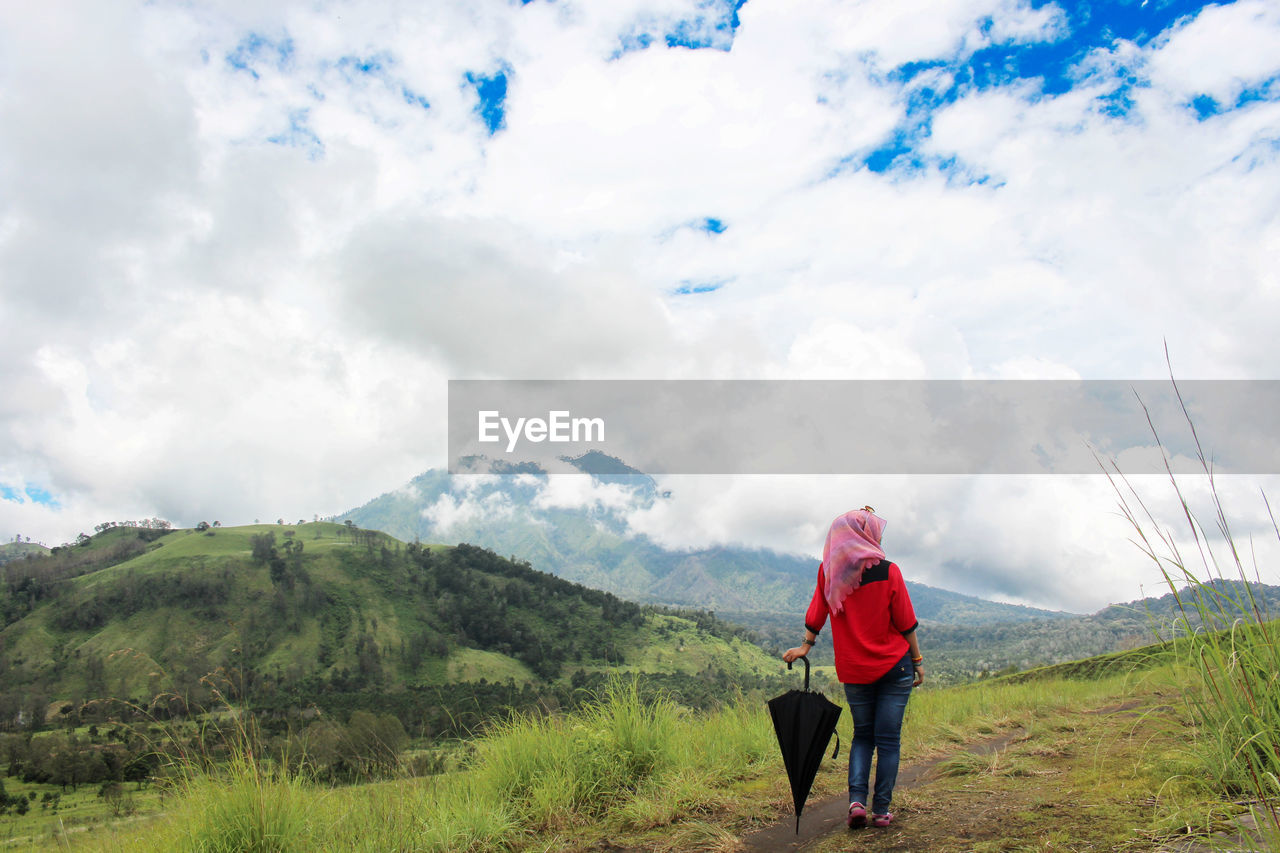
(520, 513)
(314, 614)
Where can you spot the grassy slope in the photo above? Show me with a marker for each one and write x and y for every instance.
(143, 650)
(18, 550)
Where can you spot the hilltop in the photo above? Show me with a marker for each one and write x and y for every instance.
(327, 614)
(20, 550)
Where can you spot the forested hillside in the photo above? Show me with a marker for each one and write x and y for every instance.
(329, 616)
(965, 652)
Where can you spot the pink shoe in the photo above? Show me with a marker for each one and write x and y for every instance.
(857, 815)
(882, 819)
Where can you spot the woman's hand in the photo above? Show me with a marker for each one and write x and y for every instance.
(799, 651)
(919, 677)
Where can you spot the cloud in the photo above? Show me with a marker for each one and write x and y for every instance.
(1056, 542)
(244, 246)
(449, 513)
(573, 492)
(1018, 23)
(484, 298)
(1222, 52)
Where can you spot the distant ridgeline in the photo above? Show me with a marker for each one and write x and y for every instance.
(591, 545)
(294, 618)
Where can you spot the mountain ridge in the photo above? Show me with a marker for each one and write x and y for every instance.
(511, 514)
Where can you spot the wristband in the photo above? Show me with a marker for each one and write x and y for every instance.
(918, 660)
(806, 642)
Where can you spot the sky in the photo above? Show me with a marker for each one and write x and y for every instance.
(244, 246)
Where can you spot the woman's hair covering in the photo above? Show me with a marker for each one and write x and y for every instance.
(853, 546)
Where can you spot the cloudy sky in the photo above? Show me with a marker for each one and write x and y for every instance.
(244, 246)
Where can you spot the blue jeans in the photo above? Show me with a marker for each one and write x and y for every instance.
(877, 710)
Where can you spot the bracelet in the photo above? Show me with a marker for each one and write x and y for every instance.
(806, 642)
(918, 660)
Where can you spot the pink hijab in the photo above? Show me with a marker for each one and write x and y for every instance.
(853, 546)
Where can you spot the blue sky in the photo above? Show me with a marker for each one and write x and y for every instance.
(242, 250)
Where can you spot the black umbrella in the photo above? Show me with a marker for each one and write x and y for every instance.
(803, 720)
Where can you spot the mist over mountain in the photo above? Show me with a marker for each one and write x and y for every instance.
(576, 527)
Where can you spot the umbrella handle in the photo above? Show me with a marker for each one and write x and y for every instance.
(804, 658)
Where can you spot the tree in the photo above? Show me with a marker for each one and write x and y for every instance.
(263, 546)
(113, 793)
(373, 742)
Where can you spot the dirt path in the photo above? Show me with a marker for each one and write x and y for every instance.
(822, 817)
(825, 817)
(1079, 780)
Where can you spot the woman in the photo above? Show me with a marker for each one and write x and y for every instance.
(873, 629)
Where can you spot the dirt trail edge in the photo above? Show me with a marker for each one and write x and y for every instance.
(822, 817)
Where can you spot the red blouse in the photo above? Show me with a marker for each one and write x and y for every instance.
(868, 632)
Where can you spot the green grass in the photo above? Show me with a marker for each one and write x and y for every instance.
(55, 810)
(620, 761)
(250, 808)
(1227, 655)
(622, 768)
(464, 664)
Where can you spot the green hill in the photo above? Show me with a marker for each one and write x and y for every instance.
(327, 615)
(18, 550)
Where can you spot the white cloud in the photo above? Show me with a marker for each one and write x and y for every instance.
(200, 322)
(569, 491)
(1020, 23)
(448, 513)
(1223, 51)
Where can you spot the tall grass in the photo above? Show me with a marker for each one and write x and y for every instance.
(249, 807)
(621, 765)
(647, 760)
(1227, 644)
(622, 761)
